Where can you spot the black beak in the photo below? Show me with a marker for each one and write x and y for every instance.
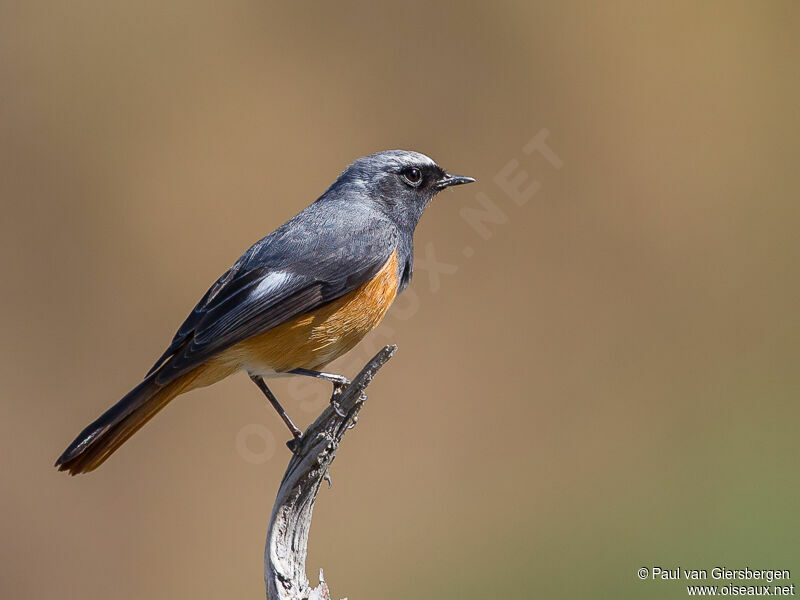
(449, 180)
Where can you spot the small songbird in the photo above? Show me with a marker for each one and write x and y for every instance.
(296, 300)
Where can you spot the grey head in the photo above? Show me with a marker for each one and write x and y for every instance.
(399, 183)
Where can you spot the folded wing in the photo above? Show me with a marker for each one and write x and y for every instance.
(298, 268)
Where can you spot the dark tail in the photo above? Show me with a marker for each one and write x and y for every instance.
(100, 439)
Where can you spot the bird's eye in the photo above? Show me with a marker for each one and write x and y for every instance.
(412, 175)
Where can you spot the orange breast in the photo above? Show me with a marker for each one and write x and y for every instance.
(314, 339)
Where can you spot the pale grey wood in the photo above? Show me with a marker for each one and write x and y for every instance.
(287, 536)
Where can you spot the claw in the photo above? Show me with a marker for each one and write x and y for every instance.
(340, 386)
(294, 443)
(337, 409)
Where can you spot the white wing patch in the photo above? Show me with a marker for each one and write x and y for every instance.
(271, 282)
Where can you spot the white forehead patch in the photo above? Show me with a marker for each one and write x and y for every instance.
(415, 159)
(365, 168)
(399, 158)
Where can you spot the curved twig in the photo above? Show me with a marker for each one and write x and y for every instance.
(287, 536)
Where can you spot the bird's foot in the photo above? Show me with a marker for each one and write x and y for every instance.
(336, 408)
(294, 443)
(340, 384)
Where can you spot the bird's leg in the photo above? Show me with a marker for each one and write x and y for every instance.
(340, 383)
(259, 381)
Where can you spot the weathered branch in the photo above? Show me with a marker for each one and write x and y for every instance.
(287, 536)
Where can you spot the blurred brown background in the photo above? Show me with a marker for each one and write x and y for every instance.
(609, 381)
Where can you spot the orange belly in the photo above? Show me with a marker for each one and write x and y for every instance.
(312, 340)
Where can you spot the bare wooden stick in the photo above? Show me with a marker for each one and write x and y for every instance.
(287, 536)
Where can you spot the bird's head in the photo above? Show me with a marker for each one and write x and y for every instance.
(400, 182)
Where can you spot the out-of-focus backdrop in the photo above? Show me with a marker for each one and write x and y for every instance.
(602, 378)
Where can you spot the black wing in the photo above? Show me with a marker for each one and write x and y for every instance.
(306, 263)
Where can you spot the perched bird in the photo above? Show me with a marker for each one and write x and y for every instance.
(296, 300)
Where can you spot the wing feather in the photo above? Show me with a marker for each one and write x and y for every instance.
(290, 272)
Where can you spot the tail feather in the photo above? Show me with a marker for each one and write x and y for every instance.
(100, 439)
